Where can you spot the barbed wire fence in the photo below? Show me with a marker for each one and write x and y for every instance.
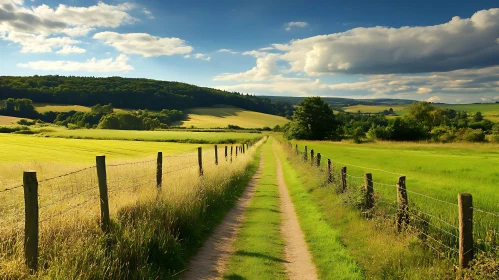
(452, 230)
(31, 214)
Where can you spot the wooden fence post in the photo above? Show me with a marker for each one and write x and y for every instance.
(312, 157)
(104, 201)
(329, 171)
(226, 155)
(296, 149)
(237, 148)
(231, 148)
(318, 159)
(305, 155)
(216, 155)
(200, 161)
(403, 205)
(159, 170)
(343, 174)
(244, 150)
(30, 184)
(369, 199)
(466, 254)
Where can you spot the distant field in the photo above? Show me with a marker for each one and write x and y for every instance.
(223, 116)
(7, 120)
(155, 136)
(64, 108)
(490, 111)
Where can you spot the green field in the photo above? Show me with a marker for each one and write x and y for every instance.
(42, 108)
(436, 173)
(154, 136)
(489, 111)
(223, 116)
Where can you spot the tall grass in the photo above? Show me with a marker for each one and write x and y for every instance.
(153, 233)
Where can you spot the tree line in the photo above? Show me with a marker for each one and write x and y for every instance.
(100, 116)
(131, 94)
(313, 119)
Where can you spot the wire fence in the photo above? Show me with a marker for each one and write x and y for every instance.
(75, 198)
(433, 219)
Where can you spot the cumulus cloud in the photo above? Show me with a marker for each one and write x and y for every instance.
(91, 65)
(457, 44)
(71, 49)
(198, 56)
(255, 53)
(434, 99)
(265, 69)
(227, 51)
(292, 24)
(38, 43)
(144, 44)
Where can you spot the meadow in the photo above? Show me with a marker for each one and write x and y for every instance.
(42, 108)
(153, 231)
(8, 120)
(489, 111)
(435, 174)
(154, 136)
(214, 117)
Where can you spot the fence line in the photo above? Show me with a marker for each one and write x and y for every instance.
(402, 207)
(80, 184)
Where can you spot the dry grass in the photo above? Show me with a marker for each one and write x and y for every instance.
(71, 243)
(7, 120)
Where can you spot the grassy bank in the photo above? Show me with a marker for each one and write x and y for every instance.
(259, 245)
(380, 252)
(152, 234)
(332, 259)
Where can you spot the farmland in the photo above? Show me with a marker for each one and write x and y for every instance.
(42, 108)
(154, 136)
(7, 120)
(69, 235)
(223, 116)
(489, 111)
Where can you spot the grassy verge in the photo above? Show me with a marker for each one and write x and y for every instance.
(152, 236)
(380, 252)
(259, 246)
(332, 259)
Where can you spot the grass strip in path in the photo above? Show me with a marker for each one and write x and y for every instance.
(259, 246)
(329, 255)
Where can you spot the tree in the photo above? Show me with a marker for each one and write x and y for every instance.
(478, 117)
(313, 120)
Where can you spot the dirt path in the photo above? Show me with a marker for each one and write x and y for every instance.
(299, 263)
(211, 260)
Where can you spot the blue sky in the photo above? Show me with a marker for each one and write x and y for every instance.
(445, 51)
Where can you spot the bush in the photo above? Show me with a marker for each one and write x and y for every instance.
(471, 135)
(11, 129)
(26, 122)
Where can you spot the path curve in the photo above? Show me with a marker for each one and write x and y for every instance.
(211, 260)
(299, 263)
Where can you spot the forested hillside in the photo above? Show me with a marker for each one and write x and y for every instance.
(131, 93)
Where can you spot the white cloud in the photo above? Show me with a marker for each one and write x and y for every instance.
(434, 99)
(78, 31)
(296, 24)
(198, 56)
(144, 44)
(266, 49)
(91, 65)
(423, 90)
(457, 44)
(256, 54)
(265, 69)
(227, 51)
(71, 49)
(148, 13)
(38, 43)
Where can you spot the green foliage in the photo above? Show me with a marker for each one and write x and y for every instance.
(313, 119)
(131, 93)
(128, 121)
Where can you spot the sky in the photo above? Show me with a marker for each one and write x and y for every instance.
(438, 51)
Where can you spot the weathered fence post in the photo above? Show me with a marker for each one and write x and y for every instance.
(466, 254)
(104, 202)
(200, 161)
(296, 147)
(403, 205)
(226, 156)
(244, 150)
(343, 174)
(329, 171)
(312, 157)
(237, 148)
(30, 184)
(216, 155)
(318, 159)
(305, 155)
(369, 199)
(231, 148)
(159, 170)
